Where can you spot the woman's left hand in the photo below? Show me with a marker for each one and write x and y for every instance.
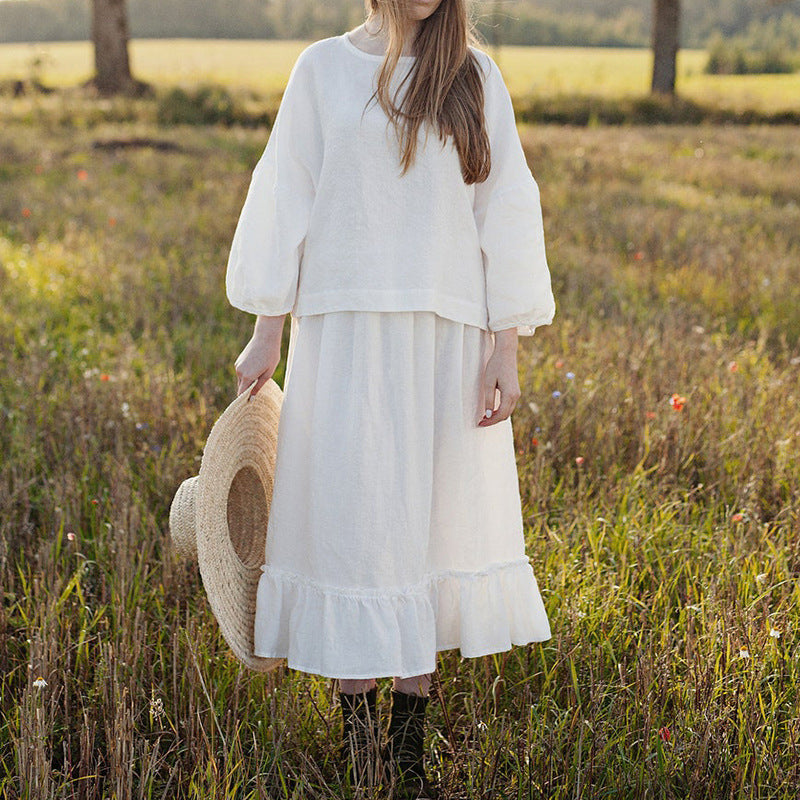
(500, 373)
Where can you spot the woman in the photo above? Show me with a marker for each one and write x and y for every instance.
(394, 215)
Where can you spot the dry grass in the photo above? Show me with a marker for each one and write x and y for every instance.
(668, 557)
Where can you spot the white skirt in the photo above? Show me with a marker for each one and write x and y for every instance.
(395, 528)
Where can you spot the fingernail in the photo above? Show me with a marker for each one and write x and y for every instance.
(488, 412)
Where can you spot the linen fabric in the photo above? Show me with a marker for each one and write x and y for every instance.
(329, 223)
(395, 528)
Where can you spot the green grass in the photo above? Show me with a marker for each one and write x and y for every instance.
(263, 66)
(667, 557)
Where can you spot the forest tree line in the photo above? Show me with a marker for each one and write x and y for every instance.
(525, 22)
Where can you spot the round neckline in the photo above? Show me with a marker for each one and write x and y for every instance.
(364, 54)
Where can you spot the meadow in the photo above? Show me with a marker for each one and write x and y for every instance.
(537, 72)
(657, 439)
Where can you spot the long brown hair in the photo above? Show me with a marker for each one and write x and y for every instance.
(445, 87)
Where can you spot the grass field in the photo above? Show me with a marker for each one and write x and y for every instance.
(541, 71)
(666, 542)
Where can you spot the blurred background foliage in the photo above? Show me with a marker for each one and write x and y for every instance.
(523, 22)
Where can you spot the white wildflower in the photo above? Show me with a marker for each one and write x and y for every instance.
(156, 707)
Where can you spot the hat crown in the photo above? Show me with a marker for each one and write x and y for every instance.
(248, 514)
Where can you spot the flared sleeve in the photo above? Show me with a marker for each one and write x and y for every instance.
(267, 248)
(508, 216)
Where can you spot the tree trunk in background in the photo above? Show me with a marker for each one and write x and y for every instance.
(666, 29)
(110, 37)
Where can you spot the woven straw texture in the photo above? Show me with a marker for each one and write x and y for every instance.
(222, 514)
(182, 519)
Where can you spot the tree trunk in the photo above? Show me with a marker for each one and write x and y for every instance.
(666, 30)
(110, 37)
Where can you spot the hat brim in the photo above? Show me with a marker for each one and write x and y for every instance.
(233, 496)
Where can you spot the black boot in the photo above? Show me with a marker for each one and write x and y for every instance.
(359, 752)
(404, 747)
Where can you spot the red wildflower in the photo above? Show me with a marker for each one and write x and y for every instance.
(104, 377)
(664, 734)
(733, 366)
(650, 414)
(534, 441)
(638, 255)
(677, 402)
(737, 517)
(82, 174)
(26, 212)
(579, 460)
(559, 364)
(112, 221)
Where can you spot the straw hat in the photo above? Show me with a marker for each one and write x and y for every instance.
(221, 514)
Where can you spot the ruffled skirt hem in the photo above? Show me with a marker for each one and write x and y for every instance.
(318, 628)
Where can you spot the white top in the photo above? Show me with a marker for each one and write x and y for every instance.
(328, 224)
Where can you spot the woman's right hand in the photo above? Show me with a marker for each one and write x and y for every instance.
(261, 355)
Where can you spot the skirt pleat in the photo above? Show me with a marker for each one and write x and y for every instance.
(395, 529)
